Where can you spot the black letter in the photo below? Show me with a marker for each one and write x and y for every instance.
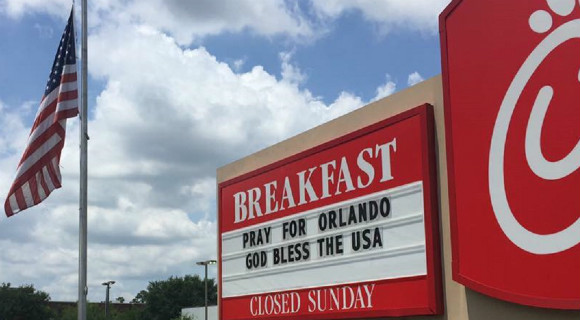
(355, 237)
(276, 255)
(284, 230)
(341, 222)
(322, 222)
(366, 238)
(306, 247)
(332, 219)
(245, 239)
(302, 227)
(378, 238)
(339, 248)
(249, 261)
(264, 258)
(385, 207)
(291, 253)
(362, 212)
(351, 216)
(374, 210)
(320, 241)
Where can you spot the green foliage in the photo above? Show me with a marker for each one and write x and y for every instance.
(93, 313)
(140, 297)
(165, 299)
(97, 312)
(133, 314)
(23, 303)
(183, 318)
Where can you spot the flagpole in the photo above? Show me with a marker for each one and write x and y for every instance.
(83, 289)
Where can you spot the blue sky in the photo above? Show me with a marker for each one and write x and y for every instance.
(168, 85)
(24, 55)
(353, 56)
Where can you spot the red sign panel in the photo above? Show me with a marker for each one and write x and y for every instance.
(348, 229)
(512, 94)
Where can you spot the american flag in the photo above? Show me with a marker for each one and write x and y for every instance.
(38, 172)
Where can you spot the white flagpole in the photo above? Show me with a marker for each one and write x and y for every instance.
(83, 289)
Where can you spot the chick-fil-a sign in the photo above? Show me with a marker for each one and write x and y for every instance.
(348, 229)
(512, 96)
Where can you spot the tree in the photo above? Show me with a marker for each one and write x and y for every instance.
(165, 299)
(183, 318)
(120, 300)
(93, 313)
(140, 297)
(131, 314)
(96, 311)
(23, 303)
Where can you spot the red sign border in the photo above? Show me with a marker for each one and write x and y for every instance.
(457, 276)
(431, 202)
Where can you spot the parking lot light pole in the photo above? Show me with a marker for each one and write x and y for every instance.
(108, 284)
(205, 264)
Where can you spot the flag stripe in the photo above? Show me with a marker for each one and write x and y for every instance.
(54, 132)
(42, 131)
(33, 158)
(53, 95)
(33, 185)
(65, 96)
(68, 113)
(70, 77)
(54, 172)
(64, 106)
(49, 110)
(51, 173)
(42, 187)
(46, 161)
(27, 194)
(38, 172)
(8, 207)
(47, 180)
(20, 198)
(70, 69)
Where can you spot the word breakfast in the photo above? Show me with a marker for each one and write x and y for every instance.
(334, 180)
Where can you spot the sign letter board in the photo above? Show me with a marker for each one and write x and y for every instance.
(511, 72)
(348, 229)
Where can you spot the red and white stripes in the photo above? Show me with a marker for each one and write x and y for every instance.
(38, 173)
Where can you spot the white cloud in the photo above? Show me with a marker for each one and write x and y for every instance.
(45, 32)
(166, 118)
(238, 64)
(138, 245)
(414, 78)
(419, 15)
(186, 21)
(17, 8)
(13, 137)
(203, 99)
(13, 130)
(157, 135)
(290, 72)
(386, 89)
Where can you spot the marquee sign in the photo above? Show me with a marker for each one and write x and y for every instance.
(511, 73)
(348, 229)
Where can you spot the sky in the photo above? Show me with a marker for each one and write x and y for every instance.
(178, 89)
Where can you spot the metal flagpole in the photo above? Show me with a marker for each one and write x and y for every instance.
(82, 303)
